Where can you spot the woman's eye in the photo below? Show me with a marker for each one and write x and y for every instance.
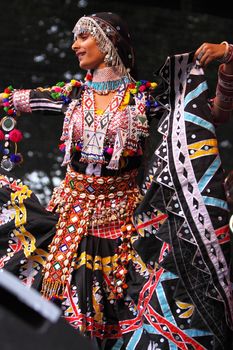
(84, 35)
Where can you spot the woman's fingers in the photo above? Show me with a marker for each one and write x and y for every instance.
(208, 52)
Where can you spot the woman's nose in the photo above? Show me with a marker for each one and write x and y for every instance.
(75, 45)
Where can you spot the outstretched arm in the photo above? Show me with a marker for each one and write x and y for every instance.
(51, 100)
(27, 101)
(223, 101)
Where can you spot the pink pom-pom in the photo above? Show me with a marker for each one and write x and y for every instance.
(142, 88)
(109, 151)
(2, 136)
(78, 148)
(15, 135)
(62, 147)
(57, 89)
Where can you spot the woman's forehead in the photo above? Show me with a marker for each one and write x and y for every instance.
(81, 30)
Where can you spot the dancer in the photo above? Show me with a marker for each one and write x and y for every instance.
(132, 267)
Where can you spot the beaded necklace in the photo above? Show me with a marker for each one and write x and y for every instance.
(105, 87)
(106, 80)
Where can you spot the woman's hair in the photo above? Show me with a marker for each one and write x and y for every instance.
(113, 38)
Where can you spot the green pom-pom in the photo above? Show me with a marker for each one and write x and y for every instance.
(10, 88)
(60, 83)
(55, 95)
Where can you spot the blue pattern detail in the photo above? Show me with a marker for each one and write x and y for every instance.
(168, 276)
(196, 333)
(192, 118)
(189, 332)
(207, 176)
(215, 202)
(164, 304)
(195, 92)
(134, 339)
(118, 344)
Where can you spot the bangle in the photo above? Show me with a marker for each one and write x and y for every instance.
(222, 109)
(228, 54)
(222, 59)
(224, 89)
(227, 47)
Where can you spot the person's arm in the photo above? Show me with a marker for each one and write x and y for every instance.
(49, 100)
(27, 101)
(223, 101)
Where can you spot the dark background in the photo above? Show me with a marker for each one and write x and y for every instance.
(35, 39)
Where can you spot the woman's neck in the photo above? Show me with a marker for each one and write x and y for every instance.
(106, 74)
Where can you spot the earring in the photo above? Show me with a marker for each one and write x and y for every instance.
(108, 59)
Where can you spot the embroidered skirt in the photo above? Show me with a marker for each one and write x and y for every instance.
(110, 293)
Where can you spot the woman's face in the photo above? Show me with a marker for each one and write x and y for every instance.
(87, 52)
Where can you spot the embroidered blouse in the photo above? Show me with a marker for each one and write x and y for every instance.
(95, 143)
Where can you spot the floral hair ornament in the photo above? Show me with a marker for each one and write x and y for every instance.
(9, 135)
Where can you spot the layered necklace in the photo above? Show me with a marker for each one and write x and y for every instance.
(106, 80)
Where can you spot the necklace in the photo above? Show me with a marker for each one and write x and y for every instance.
(106, 80)
(105, 87)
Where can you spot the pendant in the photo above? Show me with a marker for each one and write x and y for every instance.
(8, 123)
(7, 164)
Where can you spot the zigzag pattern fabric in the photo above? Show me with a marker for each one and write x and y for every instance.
(191, 246)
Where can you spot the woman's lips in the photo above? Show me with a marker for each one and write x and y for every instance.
(80, 55)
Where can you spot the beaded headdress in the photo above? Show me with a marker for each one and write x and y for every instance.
(112, 37)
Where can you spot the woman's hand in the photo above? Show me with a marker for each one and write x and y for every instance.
(207, 53)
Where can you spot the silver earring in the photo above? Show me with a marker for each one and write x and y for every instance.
(108, 59)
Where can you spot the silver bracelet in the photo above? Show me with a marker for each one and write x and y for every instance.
(228, 54)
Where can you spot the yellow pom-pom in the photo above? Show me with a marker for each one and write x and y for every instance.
(4, 95)
(73, 81)
(125, 153)
(153, 85)
(133, 91)
(127, 98)
(125, 101)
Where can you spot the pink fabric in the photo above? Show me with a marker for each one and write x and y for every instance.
(21, 100)
(120, 119)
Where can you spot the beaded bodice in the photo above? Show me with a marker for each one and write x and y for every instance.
(126, 125)
(120, 119)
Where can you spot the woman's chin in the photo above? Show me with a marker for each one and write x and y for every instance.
(86, 66)
(82, 65)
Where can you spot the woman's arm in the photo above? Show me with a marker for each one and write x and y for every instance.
(27, 101)
(49, 100)
(223, 101)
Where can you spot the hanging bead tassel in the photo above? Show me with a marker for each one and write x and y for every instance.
(119, 285)
(9, 135)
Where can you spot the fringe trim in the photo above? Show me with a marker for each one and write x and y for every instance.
(52, 289)
(92, 158)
